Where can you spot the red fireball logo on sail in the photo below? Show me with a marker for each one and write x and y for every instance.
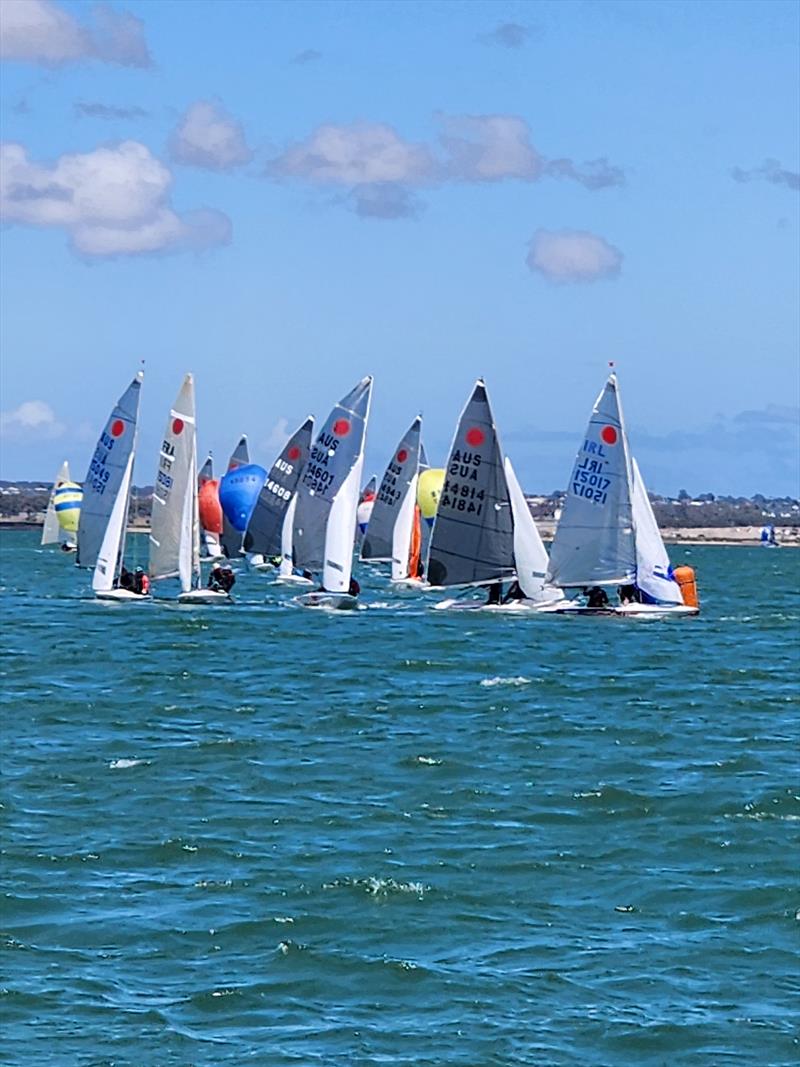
(609, 435)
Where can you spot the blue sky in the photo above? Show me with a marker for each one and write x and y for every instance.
(283, 197)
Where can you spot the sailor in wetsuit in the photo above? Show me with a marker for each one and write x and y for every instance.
(596, 597)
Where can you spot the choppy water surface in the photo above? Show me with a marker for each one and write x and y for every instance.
(261, 834)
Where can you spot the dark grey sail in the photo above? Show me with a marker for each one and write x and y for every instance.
(264, 529)
(231, 538)
(206, 471)
(423, 458)
(105, 474)
(337, 448)
(396, 482)
(473, 535)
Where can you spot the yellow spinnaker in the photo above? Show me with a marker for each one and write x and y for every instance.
(429, 488)
(67, 500)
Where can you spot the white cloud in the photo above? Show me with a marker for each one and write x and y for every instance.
(769, 171)
(573, 256)
(488, 148)
(381, 167)
(356, 154)
(32, 417)
(277, 437)
(39, 31)
(208, 136)
(111, 201)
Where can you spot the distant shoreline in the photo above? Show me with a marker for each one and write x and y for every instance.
(789, 537)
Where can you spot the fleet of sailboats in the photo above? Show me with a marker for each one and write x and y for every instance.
(459, 530)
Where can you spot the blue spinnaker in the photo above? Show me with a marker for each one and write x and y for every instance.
(238, 493)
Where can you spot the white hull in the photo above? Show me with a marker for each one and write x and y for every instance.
(513, 607)
(327, 601)
(121, 595)
(631, 611)
(205, 596)
(293, 579)
(409, 585)
(262, 567)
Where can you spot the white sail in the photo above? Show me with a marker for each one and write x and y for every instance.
(174, 496)
(287, 563)
(403, 531)
(51, 531)
(111, 548)
(327, 497)
(594, 543)
(652, 561)
(530, 555)
(103, 479)
(341, 529)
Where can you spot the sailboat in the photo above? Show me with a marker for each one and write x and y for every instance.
(366, 502)
(63, 512)
(269, 532)
(231, 538)
(608, 535)
(327, 501)
(394, 532)
(175, 521)
(106, 498)
(484, 532)
(210, 511)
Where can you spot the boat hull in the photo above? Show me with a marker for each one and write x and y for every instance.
(121, 596)
(293, 579)
(327, 601)
(205, 596)
(409, 586)
(632, 611)
(513, 607)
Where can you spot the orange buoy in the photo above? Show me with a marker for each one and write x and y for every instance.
(687, 581)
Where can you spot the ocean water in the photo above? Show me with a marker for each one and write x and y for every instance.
(264, 835)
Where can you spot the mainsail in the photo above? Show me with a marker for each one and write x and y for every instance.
(101, 487)
(594, 542)
(231, 539)
(652, 561)
(327, 497)
(472, 539)
(174, 533)
(266, 523)
(51, 531)
(398, 485)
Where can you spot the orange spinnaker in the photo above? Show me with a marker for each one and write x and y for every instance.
(416, 545)
(209, 506)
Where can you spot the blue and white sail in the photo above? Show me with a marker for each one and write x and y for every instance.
(594, 543)
(108, 470)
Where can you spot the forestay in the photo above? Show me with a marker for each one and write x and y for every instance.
(652, 561)
(398, 485)
(266, 523)
(327, 497)
(594, 542)
(174, 535)
(472, 539)
(530, 555)
(106, 472)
